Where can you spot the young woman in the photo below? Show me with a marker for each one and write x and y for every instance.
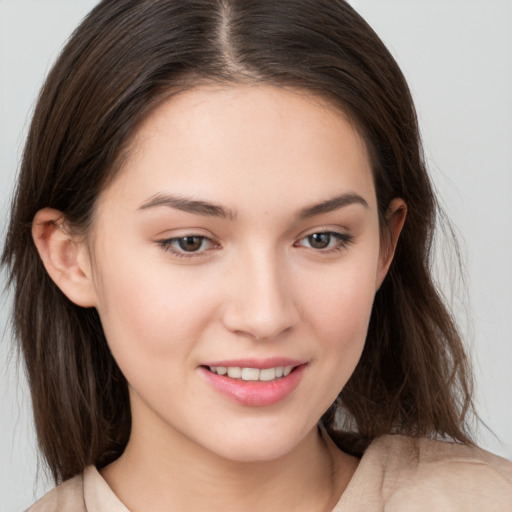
(220, 253)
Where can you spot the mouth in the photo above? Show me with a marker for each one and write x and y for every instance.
(252, 374)
(248, 385)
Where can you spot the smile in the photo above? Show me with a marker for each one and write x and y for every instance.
(254, 387)
(252, 374)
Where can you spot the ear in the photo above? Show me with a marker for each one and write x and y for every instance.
(65, 258)
(395, 218)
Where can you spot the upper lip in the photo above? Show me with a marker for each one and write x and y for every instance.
(261, 364)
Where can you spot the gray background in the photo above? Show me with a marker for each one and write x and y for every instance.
(457, 56)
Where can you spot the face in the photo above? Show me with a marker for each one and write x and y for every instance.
(235, 260)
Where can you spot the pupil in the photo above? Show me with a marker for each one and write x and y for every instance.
(190, 243)
(319, 240)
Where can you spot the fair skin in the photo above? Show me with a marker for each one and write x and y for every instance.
(279, 269)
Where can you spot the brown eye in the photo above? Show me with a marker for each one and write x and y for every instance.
(319, 240)
(190, 243)
(187, 246)
(325, 241)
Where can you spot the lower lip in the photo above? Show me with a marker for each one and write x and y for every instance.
(255, 393)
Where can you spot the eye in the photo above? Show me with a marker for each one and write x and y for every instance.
(325, 241)
(191, 243)
(187, 246)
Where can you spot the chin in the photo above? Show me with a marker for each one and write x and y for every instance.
(257, 452)
(258, 445)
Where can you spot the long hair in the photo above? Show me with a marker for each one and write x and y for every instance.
(122, 62)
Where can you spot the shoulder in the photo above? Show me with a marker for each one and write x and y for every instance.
(85, 492)
(68, 496)
(439, 475)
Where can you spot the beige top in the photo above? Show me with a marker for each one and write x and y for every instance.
(396, 474)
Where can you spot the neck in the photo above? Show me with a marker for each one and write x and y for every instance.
(171, 472)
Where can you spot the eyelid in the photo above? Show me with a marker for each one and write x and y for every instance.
(167, 245)
(325, 228)
(343, 239)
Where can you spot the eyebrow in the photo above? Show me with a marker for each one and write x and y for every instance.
(331, 205)
(208, 209)
(188, 205)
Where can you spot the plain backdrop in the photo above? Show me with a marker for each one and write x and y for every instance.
(457, 57)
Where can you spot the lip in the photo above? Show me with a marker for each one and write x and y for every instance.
(255, 393)
(260, 364)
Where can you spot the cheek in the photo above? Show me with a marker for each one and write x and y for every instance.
(147, 311)
(339, 308)
(341, 304)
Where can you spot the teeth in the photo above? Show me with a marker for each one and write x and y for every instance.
(252, 374)
(268, 374)
(234, 372)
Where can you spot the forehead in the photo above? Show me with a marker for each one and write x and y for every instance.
(232, 143)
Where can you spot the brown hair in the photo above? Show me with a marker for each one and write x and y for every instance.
(126, 58)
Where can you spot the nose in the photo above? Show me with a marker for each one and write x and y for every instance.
(261, 301)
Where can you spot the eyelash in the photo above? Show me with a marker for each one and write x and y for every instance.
(341, 241)
(168, 246)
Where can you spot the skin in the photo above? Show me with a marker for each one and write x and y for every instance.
(256, 288)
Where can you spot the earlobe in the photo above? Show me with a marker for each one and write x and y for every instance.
(65, 259)
(395, 219)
